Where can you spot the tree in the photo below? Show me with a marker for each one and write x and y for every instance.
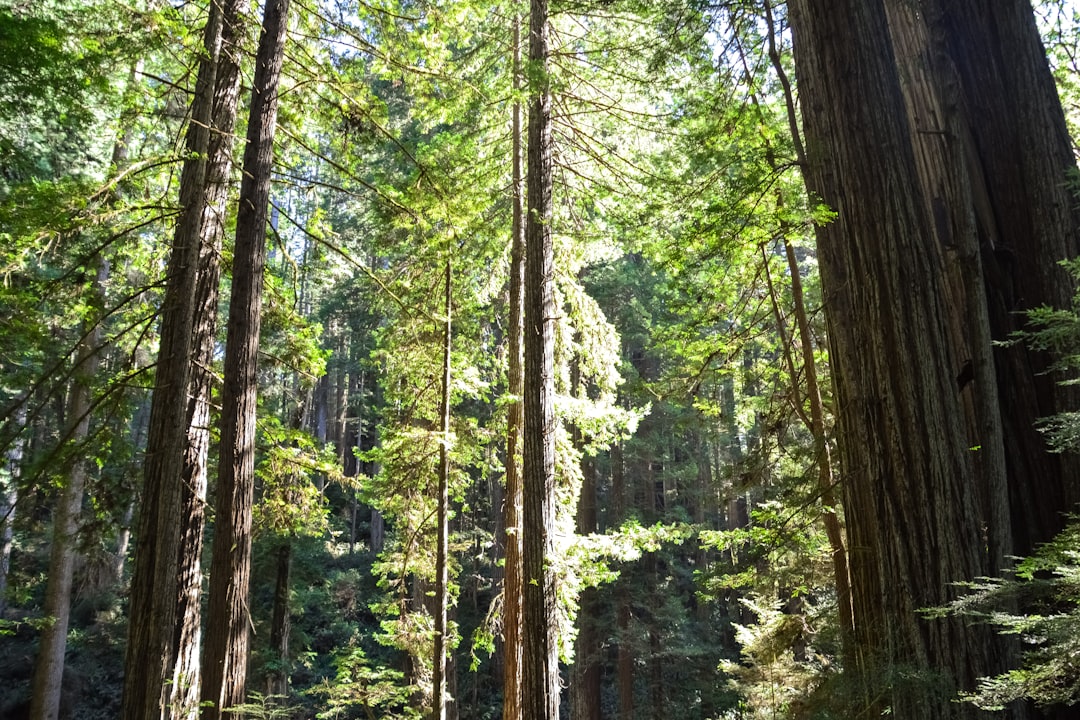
(512, 570)
(921, 232)
(49, 671)
(225, 656)
(442, 560)
(540, 653)
(161, 671)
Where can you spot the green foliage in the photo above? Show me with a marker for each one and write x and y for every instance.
(359, 686)
(1038, 604)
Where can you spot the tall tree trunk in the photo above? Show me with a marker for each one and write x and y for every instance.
(151, 645)
(924, 94)
(540, 658)
(624, 661)
(442, 559)
(585, 686)
(512, 580)
(225, 657)
(49, 670)
(1002, 103)
(185, 690)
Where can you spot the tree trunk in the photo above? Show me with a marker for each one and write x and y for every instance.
(280, 626)
(624, 662)
(9, 497)
(438, 711)
(161, 677)
(878, 83)
(540, 659)
(585, 686)
(225, 657)
(512, 580)
(49, 670)
(1018, 158)
(185, 690)
(152, 608)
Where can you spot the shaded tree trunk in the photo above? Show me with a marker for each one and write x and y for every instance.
(49, 670)
(624, 661)
(225, 657)
(585, 686)
(280, 626)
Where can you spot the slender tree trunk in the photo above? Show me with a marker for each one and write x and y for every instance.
(185, 690)
(9, 496)
(49, 671)
(540, 659)
(585, 686)
(280, 626)
(442, 559)
(225, 657)
(512, 580)
(624, 661)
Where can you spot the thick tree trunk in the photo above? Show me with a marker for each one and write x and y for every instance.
(540, 659)
(442, 559)
(512, 580)
(49, 670)
(954, 104)
(225, 658)
(1018, 156)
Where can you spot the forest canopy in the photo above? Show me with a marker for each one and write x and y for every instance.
(568, 359)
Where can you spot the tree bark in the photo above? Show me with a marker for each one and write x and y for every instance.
(225, 657)
(155, 588)
(585, 686)
(49, 670)
(936, 94)
(512, 580)
(185, 690)
(540, 660)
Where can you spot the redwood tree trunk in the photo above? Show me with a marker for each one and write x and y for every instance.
(540, 661)
(185, 691)
(155, 585)
(225, 657)
(954, 104)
